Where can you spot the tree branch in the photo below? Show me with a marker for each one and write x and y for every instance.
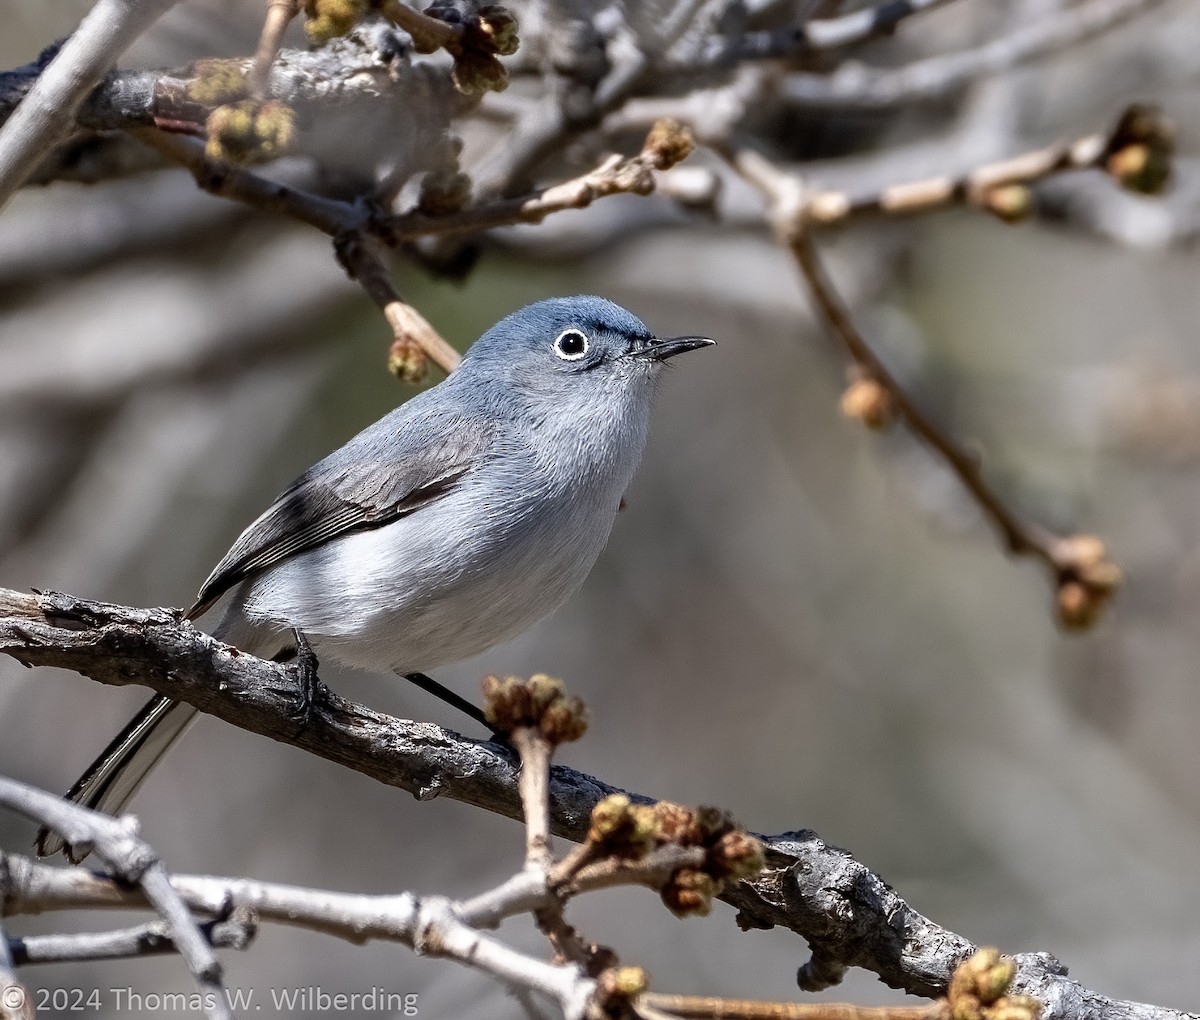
(853, 86)
(151, 939)
(279, 15)
(849, 916)
(359, 230)
(136, 864)
(978, 187)
(15, 1001)
(817, 35)
(350, 70)
(431, 925)
(414, 340)
(1083, 576)
(46, 115)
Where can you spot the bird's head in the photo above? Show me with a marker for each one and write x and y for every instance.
(585, 348)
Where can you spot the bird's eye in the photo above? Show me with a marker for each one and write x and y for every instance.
(571, 345)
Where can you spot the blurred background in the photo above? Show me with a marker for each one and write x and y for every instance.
(796, 619)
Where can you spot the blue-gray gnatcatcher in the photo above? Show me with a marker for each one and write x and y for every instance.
(455, 522)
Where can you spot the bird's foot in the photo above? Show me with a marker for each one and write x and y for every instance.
(311, 693)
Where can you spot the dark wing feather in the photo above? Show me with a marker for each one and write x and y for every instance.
(385, 472)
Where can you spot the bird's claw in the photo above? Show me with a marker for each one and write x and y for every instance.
(311, 693)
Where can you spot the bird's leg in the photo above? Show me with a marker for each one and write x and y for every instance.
(442, 693)
(311, 691)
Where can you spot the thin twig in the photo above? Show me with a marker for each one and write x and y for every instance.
(705, 1007)
(408, 325)
(279, 15)
(428, 33)
(527, 891)
(617, 175)
(1083, 575)
(825, 207)
(151, 939)
(817, 35)
(534, 786)
(1021, 537)
(651, 871)
(328, 215)
(855, 86)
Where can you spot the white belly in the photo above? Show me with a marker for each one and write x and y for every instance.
(440, 585)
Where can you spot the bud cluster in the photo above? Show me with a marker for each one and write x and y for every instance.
(629, 831)
(1141, 149)
(617, 987)
(541, 702)
(978, 986)
(407, 361)
(1088, 579)
(669, 142)
(250, 131)
(485, 34)
(217, 81)
(329, 19)
(1010, 203)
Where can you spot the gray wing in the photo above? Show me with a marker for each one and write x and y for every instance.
(390, 469)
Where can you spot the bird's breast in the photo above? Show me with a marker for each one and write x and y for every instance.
(450, 580)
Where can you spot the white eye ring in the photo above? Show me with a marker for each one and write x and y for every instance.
(571, 344)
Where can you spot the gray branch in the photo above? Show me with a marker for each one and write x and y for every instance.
(136, 864)
(13, 996)
(819, 34)
(47, 113)
(849, 916)
(151, 939)
(346, 71)
(430, 925)
(853, 86)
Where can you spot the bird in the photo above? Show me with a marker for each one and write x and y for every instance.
(455, 522)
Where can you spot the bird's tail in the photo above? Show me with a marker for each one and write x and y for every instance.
(115, 776)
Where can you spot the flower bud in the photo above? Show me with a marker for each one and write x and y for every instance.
(1011, 203)
(250, 131)
(329, 19)
(669, 142)
(216, 82)
(498, 25)
(869, 401)
(407, 361)
(688, 892)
